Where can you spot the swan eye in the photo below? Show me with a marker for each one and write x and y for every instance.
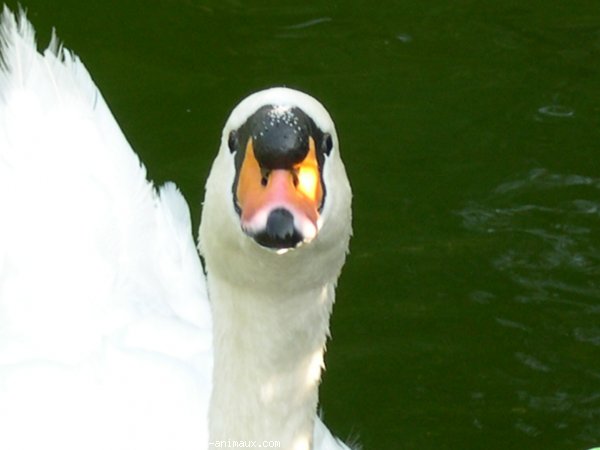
(233, 142)
(328, 143)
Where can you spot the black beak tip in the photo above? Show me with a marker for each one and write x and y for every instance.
(280, 232)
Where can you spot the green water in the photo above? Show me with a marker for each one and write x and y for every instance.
(468, 315)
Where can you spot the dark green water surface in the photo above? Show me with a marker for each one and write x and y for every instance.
(468, 315)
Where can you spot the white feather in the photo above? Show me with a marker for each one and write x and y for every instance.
(105, 325)
(105, 338)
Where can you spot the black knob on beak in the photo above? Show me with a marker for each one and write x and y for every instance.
(280, 231)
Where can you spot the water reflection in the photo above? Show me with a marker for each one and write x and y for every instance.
(559, 111)
(555, 217)
(544, 227)
(308, 23)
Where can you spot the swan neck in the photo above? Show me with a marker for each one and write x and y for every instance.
(268, 356)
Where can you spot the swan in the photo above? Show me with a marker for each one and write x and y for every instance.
(111, 335)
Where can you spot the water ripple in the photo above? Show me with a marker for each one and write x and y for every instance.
(532, 362)
(553, 221)
(540, 235)
(557, 111)
(589, 335)
(308, 23)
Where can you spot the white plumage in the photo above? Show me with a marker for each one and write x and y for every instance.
(105, 325)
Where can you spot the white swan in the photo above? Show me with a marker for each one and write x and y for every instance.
(105, 326)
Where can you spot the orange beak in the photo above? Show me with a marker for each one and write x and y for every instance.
(297, 190)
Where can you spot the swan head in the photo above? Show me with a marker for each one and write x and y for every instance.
(278, 185)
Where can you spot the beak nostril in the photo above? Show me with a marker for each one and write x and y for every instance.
(264, 177)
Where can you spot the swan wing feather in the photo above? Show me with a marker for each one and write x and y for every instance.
(104, 321)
